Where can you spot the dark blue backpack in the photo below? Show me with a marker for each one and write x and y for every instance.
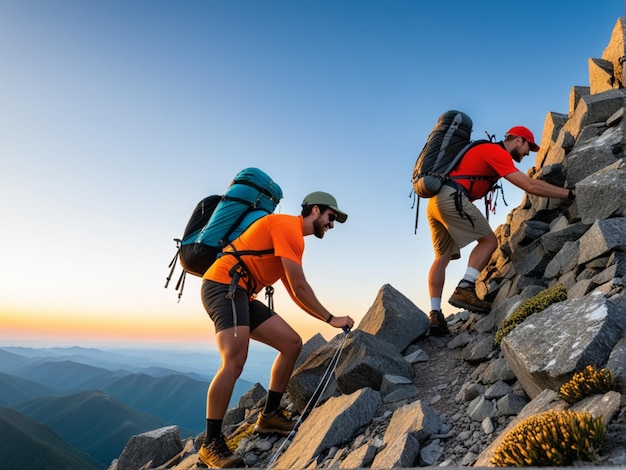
(447, 142)
(218, 220)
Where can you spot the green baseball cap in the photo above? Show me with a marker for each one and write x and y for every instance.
(321, 198)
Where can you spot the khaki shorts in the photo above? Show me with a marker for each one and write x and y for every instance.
(449, 230)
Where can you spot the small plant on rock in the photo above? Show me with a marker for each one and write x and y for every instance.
(589, 381)
(235, 439)
(551, 439)
(535, 304)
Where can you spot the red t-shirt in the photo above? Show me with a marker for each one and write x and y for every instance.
(283, 233)
(485, 160)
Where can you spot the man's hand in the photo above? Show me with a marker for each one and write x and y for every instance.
(341, 322)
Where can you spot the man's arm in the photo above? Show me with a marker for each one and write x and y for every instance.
(537, 187)
(301, 291)
(302, 294)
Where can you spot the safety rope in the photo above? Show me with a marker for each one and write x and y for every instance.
(330, 370)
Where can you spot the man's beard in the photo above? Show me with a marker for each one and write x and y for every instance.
(318, 228)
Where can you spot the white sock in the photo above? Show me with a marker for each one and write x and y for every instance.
(471, 275)
(435, 303)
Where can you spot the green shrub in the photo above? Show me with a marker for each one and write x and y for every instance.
(535, 304)
(551, 439)
(590, 381)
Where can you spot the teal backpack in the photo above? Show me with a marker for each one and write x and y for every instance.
(218, 220)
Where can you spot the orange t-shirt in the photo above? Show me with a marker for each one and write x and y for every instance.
(485, 160)
(283, 233)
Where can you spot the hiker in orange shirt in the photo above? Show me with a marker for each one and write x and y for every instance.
(455, 222)
(228, 290)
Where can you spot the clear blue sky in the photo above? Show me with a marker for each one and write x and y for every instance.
(116, 117)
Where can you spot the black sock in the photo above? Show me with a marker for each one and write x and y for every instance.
(213, 430)
(272, 402)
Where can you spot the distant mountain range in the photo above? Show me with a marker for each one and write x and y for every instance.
(15, 389)
(91, 421)
(78, 407)
(29, 445)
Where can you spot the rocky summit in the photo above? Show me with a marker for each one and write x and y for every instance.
(394, 397)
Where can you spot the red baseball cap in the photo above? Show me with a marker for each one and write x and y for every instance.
(521, 131)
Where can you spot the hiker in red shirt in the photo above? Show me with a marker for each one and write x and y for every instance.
(228, 290)
(455, 222)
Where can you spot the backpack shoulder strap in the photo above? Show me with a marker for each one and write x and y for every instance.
(240, 270)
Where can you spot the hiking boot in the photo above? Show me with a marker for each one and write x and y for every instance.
(465, 297)
(438, 324)
(217, 455)
(274, 422)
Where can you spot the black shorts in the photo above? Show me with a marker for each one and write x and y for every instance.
(220, 309)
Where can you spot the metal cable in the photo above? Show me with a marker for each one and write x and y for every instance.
(324, 380)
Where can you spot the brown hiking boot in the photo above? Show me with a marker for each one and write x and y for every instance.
(217, 455)
(274, 422)
(438, 324)
(465, 297)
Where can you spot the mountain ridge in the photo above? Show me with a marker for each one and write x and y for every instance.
(61, 395)
(91, 421)
(27, 444)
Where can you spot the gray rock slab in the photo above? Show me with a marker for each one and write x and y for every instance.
(416, 418)
(510, 404)
(565, 260)
(617, 364)
(593, 109)
(307, 377)
(156, 446)
(497, 370)
(359, 458)
(393, 318)
(400, 453)
(601, 238)
(547, 348)
(481, 408)
(331, 424)
(603, 194)
(313, 344)
(479, 349)
(593, 156)
(251, 397)
(365, 360)
(603, 406)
